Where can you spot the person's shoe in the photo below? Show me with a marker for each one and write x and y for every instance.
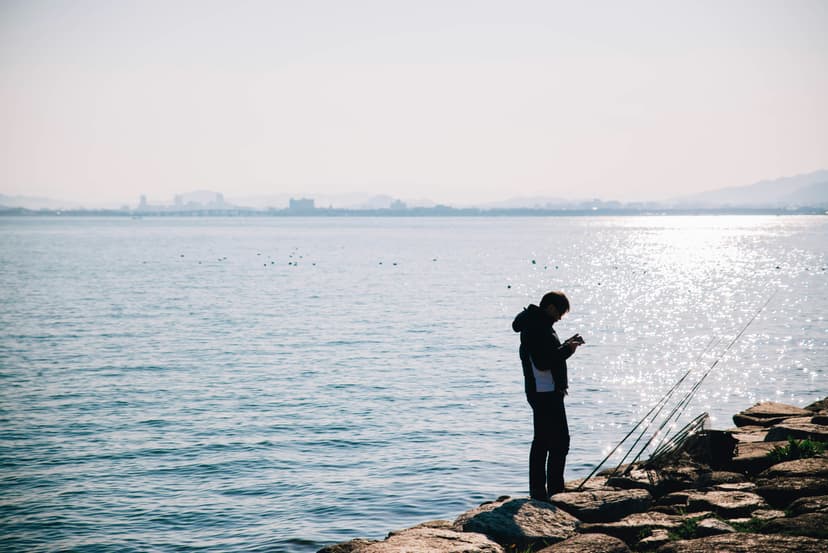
(538, 497)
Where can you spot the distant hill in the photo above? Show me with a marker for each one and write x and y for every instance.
(810, 190)
(525, 202)
(34, 202)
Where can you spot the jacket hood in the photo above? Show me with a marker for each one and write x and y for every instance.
(529, 317)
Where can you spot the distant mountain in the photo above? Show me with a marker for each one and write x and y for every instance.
(338, 201)
(34, 202)
(526, 202)
(810, 190)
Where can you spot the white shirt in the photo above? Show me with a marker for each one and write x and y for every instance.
(543, 379)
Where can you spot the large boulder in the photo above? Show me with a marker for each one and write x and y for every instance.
(747, 543)
(799, 429)
(814, 525)
(602, 505)
(768, 413)
(588, 543)
(520, 522)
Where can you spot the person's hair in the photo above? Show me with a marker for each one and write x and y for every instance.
(558, 299)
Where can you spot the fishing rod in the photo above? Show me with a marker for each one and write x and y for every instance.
(682, 405)
(665, 399)
(662, 402)
(684, 401)
(676, 441)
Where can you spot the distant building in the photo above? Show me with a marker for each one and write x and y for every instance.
(142, 203)
(303, 204)
(219, 198)
(398, 205)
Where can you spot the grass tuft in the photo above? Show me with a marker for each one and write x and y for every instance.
(796, 449)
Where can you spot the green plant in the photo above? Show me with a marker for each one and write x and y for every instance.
(751, 526)
(687, 530)
(796, 449)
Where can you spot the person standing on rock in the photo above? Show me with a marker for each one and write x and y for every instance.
(543, 357)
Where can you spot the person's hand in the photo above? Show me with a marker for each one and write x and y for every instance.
(574, 342)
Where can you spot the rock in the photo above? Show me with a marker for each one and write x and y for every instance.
(799, 430)
(436, 536)
(749, 433)
(817, 504)
(594, 483)
(740, 420)
(717, 478)
(658, 538)
(821, 405)
(819, 419)
(353, 546)
(588, 543)
(770, 410)
(747, 543)
(658, 482)
(767, 514)
(602, 505)
(780, 492)
(736, 487)
(438, 540)
(785, 482)
(713, 527)
(752, 458)
(725, 504)
(809, 467)
(631, 528)
(814, 525)
(521, 522)
(712, 448)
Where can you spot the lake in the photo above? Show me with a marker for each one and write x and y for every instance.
(281, 384)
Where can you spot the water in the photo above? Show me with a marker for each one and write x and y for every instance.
(279, 384)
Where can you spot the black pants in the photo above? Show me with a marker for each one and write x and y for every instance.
(550, 444)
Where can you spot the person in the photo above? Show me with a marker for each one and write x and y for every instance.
(543, 357)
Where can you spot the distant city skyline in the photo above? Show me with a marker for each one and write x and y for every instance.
(456, 102)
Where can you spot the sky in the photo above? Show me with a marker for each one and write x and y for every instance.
(460, 102)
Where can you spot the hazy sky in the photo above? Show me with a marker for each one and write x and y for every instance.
(456, 101)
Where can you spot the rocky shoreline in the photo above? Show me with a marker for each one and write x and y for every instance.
(761, 486)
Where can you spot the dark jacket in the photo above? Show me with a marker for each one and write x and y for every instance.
(539, 343)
